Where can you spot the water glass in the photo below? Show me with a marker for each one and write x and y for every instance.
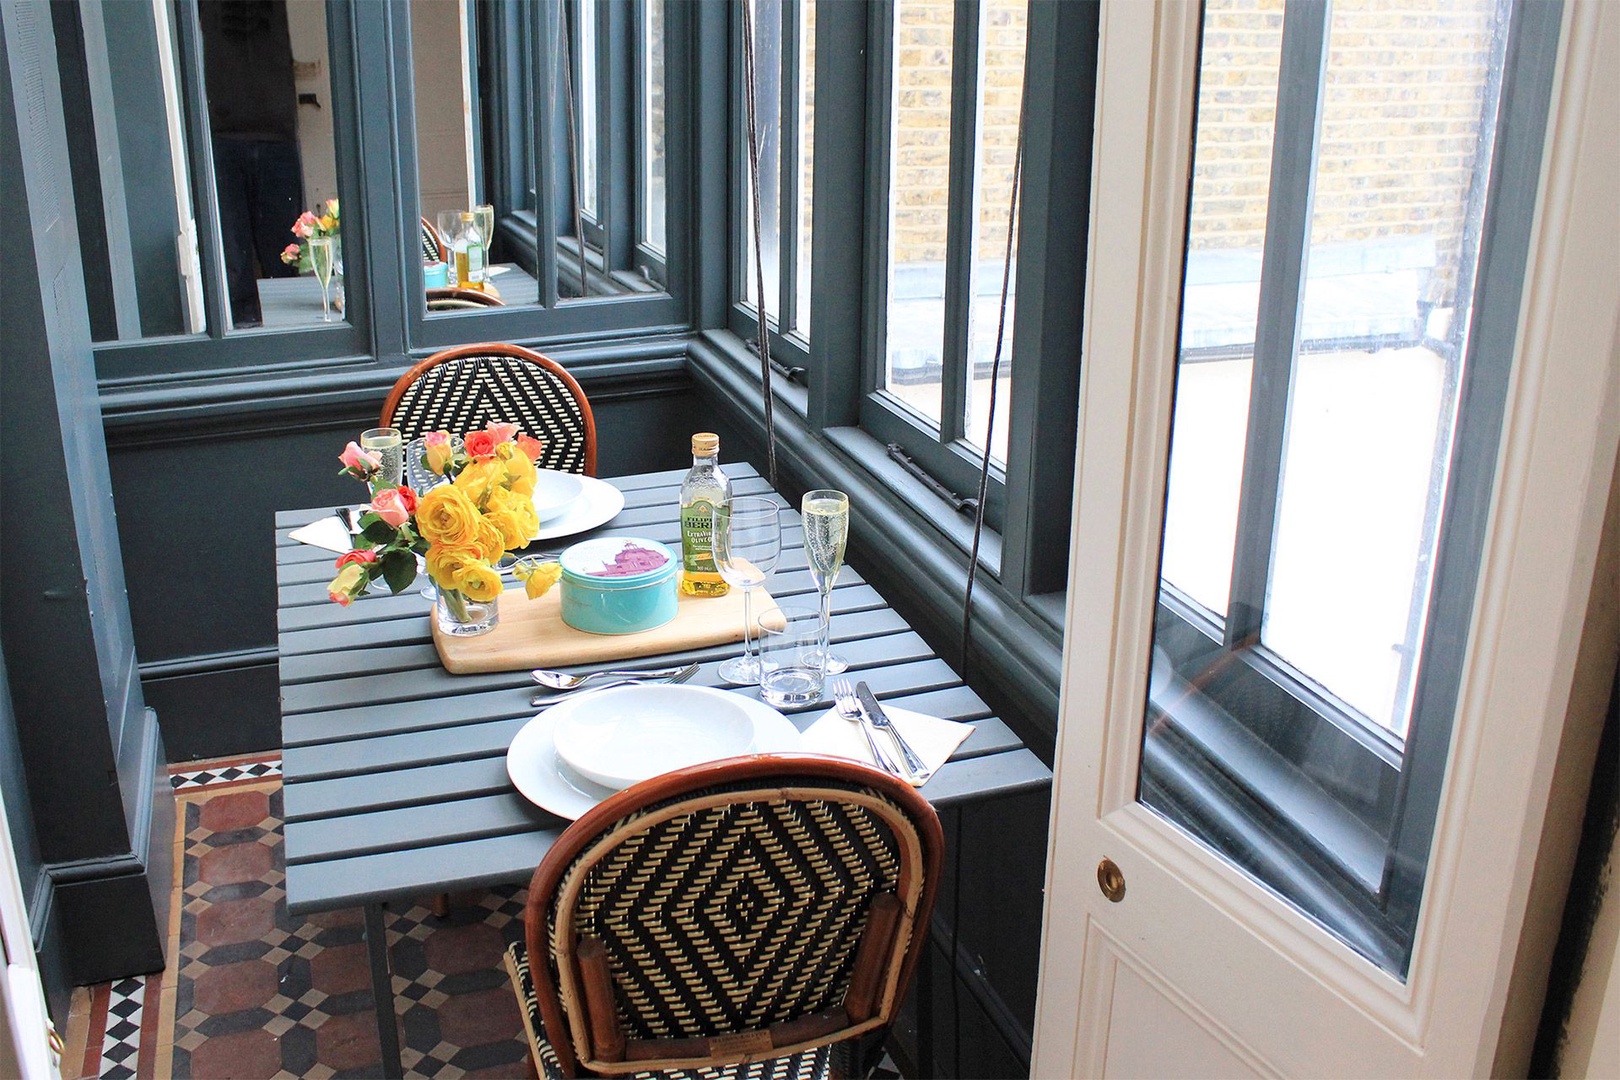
(747, 540)
(791, 664)
(388, 444)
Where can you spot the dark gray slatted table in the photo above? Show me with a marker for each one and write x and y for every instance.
(394, 771)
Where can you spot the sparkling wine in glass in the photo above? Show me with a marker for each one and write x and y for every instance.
(389, 445)
(826, 531)
(747, 537)
(320, 260)
(484, 218)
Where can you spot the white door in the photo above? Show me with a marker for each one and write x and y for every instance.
(29, 1046)
(1196, 970)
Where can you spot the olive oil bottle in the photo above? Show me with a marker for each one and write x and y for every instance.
(704, 488)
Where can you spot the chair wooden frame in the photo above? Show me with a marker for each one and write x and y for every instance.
(577, 1007)
(466, 298)
(500, 349)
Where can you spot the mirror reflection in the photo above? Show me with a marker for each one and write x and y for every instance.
(539, 150)
(267, 71)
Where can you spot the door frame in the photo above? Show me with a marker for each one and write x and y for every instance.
(1555, 465)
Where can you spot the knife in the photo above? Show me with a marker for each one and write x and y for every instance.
(880, 720)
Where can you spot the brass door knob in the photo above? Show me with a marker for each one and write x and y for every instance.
(1110, 880)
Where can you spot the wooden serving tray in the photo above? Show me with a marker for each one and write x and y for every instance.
(531, 633)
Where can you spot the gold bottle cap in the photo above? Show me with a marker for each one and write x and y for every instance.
(705, 444)
(466, 215)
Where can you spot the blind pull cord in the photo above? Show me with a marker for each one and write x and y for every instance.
(759, 251)
(995, 381)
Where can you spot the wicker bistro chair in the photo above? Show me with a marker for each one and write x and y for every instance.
(758, 917)
(467, 387)
(432, 246)
(461, 299)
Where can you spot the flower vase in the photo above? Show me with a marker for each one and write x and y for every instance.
(462, 616)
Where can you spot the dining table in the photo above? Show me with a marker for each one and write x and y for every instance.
(394, 774)
(296, 301)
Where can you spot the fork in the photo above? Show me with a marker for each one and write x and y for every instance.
(562, 680)
(850, 709)
(679, 677)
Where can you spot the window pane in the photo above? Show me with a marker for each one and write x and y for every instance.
(1237, 106)
(585, 87)
(806, 165)
(767, 23)
(653, 220)
(919, 194)
(1001, 93)
(1393, 247)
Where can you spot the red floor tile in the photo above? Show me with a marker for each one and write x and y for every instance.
(242, 1055)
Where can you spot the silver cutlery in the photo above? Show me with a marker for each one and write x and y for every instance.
(562, 680)
(558, 695)
(850, 709)
(880, 720)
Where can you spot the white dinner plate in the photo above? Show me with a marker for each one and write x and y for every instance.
(624, 735)
(555, 492)
(550, 784)
(597, 504)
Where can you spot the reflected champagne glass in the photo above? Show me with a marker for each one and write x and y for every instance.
(484, 218)
(747, 534)
(320, 260)
(826, 531)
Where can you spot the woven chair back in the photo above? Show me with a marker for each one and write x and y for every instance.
(449, 299)
(467, 387)
(747, 910)
(432, 250)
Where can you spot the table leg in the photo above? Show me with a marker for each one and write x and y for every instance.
(382, 992)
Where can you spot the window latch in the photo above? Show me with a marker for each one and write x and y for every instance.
(969, 506)
(794, 374)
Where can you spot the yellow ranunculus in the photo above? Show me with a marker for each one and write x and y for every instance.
(520, 473)
(446, 516)
(539, 580)
(478, 480)
(446, 564)
(491, 544)
(510, 525)
(478, 581)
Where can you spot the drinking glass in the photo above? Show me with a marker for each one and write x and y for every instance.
(484, 218)
(747, 537)
(792, 672)
(826, 531)
(320, 259)
(388, 444)
(449, 222)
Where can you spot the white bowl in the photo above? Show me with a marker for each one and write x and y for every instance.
(626, 734)
(555, 492)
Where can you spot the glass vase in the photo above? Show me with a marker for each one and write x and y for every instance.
(462, 616)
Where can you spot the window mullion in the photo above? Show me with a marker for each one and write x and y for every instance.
(547, 117)
(787, 243)
(959, 214)
(615, 138)
(1282, 284)
(204, 192)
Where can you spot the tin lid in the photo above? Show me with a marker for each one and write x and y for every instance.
(617, 562)
(705, 444)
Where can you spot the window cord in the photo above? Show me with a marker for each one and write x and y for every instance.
(995, 381)
(573, 150)
(759, 251)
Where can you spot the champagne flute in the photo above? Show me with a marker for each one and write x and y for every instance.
(826, 531)
(484, 218)
(320, 260)
(747, 534)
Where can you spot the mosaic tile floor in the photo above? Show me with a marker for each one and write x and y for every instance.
(251, 992)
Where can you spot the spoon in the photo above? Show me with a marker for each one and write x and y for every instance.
(562, 680)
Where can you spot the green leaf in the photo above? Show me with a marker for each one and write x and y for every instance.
(378, 531)
(398, 569)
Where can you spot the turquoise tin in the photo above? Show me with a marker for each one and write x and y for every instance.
(617, 585)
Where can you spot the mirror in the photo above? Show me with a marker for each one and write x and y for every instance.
(268, 87)
(519, 106)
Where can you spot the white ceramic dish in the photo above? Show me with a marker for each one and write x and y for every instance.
(630, 733)
(598, 503)
(550, 784)
(555, 492)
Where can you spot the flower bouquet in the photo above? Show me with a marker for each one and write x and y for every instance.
(458, 530)
(308, 226)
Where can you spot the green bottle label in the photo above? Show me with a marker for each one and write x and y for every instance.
(697, 537)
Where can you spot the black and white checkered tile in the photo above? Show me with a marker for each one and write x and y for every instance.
(254, 770)
(121, 1044)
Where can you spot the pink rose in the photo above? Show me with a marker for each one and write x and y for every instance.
(332, 207)
(532, 448)
(389, 505)
(480, 444)
(500, 432)
(358, 461)
(291, 253)
(437, 451)
(358, 555)
(349, 583)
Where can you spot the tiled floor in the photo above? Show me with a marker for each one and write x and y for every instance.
(251, 992)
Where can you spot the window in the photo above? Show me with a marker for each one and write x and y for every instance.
(1334, 432)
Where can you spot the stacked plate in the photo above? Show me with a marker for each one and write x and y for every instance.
(579, 752)
(555, 492)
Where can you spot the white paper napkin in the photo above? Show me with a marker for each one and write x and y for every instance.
(934, 739)
(326, 532)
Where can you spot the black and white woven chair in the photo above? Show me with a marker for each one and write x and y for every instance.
(432, 246)
(755, 918)
(465, 388)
